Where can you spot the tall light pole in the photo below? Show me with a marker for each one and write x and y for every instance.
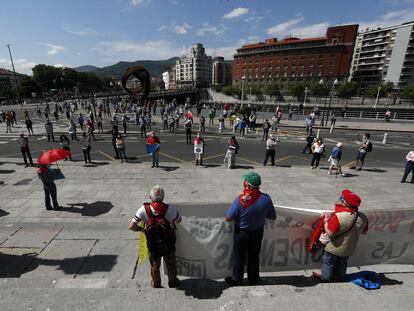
(14, 71)
(377, 99)
(321, 82)
(334, 83)
(242, 94)
(306, 94)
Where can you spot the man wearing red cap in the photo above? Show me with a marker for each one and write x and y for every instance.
(343, 227)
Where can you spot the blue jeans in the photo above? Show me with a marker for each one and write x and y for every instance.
(155, 158)
(333, 267)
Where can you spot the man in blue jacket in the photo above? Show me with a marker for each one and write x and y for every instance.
(249, 211)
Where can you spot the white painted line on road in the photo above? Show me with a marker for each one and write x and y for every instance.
(3, 142)
(14, 139)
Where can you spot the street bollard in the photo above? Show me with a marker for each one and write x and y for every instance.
(277, 135)
(384, 141)
(331, 130)
(318, 133)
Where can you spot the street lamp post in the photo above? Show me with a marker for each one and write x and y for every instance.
(377, 99)
(334, 83)
(242, 94)
(306, 94)
(321, 82)
(15, 75)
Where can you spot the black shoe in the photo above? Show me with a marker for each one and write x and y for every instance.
(58, 208)
(359, 169)
(174, 284)
(402, 181)
(254, 282)
(352, 167)
(152, 166)
(49, 208)
(157, 166)
(26, 165)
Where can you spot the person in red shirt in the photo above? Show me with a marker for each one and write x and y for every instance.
(343, 228)
(153, 143)
(198, 149)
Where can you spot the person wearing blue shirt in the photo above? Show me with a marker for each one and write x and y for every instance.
(335, 157)
(249, 212)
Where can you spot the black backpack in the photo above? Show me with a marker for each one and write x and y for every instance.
(160, 236)
(369, 147)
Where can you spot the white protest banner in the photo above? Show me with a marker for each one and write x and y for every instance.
(204, 240)
(198, 148)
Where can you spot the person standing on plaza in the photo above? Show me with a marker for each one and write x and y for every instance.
(364, 148)
(85, 142)
(266, 128)
(199, 149)
(99, 122)
(409, 167)
(211, 116)
(248, 211)
(221, 125)
(49, 130)
(188, 126)
(80, 121)
(114, 132)
(309, 123)
(143, 126)
(242, 126)
(29, 125)
(65, 144)
(72, 130)
(159, 219)
(318, 149)
(171, 124)
(202, 124)
(90, 128)
(252, 121)
(125, 123)
(343, 227)
(155, 154)
(165, 124)
(24, 148)
(270, 150)
(120, 145)
(309, 142)
(333, 120)
(335, 159)
(9, 121)
(47, 177)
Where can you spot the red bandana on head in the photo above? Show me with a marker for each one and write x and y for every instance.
(249, 197)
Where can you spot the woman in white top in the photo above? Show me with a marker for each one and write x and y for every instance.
(318, 149)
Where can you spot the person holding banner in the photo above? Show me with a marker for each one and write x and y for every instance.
(343, 228)
(153, 149)
(249, 211)
(198, 149)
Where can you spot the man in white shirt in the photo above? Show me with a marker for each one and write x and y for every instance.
(156, 216)
(270, 150)
(409, 167)
(364, 148)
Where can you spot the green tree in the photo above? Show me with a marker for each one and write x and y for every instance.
(297, 90)
(347, 89)
(386, 88)
(272, 90)
(28, 85)
(407, 92)
(318, 89)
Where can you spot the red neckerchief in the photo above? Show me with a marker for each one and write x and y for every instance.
(249, 197)
(41, 170)
(340, 208)
(152, 140)
(159, 208)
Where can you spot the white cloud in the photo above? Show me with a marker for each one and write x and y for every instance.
(309, 30)
(207, 28)
(22, 65)
(80, 30)
(227, 52)
(53, 48)
(253, 38)
(174, 2)
(62, 66)
(389, 19)
(236, 13)
(281, 28)
(133, 50)
(162, 27)
(136, 3)
(182, 29)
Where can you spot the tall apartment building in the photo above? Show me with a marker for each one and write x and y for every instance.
(194, 69)
(294, 60)
(169, 78)
(384, 54)
(221, 74)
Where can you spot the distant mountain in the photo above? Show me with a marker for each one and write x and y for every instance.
(86, 68)
(154, 67)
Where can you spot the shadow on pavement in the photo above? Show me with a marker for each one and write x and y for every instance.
(385, 281)
(2, 183)
(169, 168)
(3, 213)
(6, 171)
(89, 209)
(202, 289)
(283, 165)
(95, 164)
(210, 165)
(13, 266)
(374, 170)
(243, 167)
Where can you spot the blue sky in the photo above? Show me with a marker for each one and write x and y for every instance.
(103, 32)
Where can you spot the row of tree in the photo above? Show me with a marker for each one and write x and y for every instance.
(48, 80)
(344, 90)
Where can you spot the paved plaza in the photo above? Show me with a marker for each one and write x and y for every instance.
(83, 256)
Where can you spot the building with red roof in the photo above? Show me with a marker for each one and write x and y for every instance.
(295, 60)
